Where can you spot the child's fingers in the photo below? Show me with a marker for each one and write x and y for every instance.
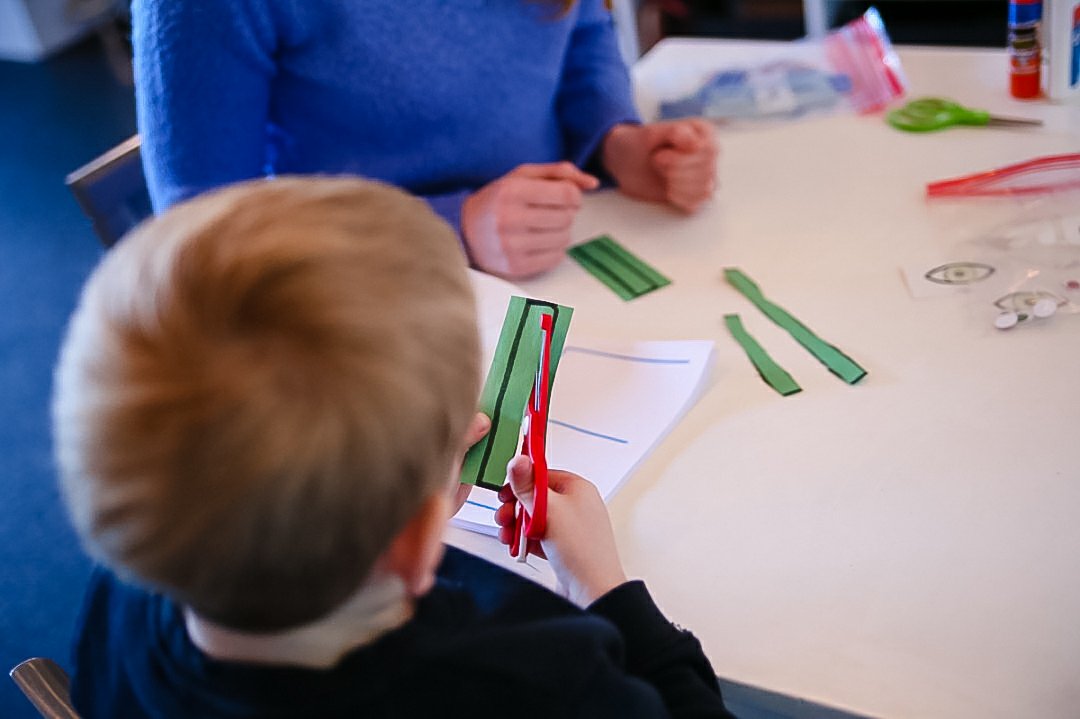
(563, 482)
(478, 428)
(520, 476)
(458, 496)
(506, 534)
(504, 515)
(536, 549)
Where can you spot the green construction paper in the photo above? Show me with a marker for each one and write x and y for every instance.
(838, 363)
(773, 374)
(616, 267)
(509, 384)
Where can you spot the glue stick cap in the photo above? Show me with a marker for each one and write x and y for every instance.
(1024, 85)
(1023, 12)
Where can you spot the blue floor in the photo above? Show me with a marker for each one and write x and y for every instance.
(53, 118)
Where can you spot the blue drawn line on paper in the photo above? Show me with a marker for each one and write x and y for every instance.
(628, 358)
(589, 432)
(478, 504)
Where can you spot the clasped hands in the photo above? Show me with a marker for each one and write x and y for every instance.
(519, 224)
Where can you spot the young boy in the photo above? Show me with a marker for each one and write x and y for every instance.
(260, 407)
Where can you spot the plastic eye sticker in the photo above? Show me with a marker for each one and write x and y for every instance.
(959, 273)
(1017, 307)
(1025, 302)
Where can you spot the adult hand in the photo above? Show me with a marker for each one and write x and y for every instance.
(519, 224)
(477, 430)
(672, 162)
(579, 541)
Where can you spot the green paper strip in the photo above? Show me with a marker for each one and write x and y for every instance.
(838, 363)
(509, 384)
(616, 267)
(774, 375)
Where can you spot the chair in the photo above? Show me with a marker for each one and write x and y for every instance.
(112, 191)
(111, 20)
(46, 686)
(624, 13)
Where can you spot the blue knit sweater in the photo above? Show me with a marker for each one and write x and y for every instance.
(435, 96)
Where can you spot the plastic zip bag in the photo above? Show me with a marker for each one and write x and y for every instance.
(854, 69)
(1019, 262)
(1039, 176)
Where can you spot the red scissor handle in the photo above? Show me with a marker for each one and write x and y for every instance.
(533, 447)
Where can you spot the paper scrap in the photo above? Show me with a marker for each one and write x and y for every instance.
(616, 267)
(774, 375)
(836, 361)
(509, 384)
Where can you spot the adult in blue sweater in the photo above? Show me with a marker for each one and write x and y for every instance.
(499, 114)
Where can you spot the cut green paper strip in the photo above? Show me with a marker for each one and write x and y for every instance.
(509, 385)
(838, 363)
(773, 374)
(616, 267)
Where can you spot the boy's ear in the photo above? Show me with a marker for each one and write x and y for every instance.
(416, 551)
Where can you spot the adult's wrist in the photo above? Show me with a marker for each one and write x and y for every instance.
(613, 147)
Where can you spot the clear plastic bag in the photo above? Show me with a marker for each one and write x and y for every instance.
(1018, 263)
(854, 69)
(1040, 176)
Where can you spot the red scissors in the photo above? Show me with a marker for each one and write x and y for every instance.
(528, 527)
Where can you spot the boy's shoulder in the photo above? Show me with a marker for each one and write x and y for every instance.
(482, 638)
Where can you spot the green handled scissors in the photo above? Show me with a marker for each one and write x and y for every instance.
(934, 113)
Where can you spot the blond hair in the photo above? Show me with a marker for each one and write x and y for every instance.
(259, 389)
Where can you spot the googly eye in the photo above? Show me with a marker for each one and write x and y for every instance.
(1006, 320)
(959, 273)
(1044, 308)
(1025, 301)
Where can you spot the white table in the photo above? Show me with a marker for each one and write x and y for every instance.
(907, 547)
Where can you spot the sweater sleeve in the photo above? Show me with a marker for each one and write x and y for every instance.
(203, 71)
(595, 92)
(448, 207)
(668, 658)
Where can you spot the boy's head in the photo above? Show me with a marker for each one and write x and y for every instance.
(260, 388)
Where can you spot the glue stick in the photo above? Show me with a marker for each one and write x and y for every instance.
(1025, 55)
(1061, 49)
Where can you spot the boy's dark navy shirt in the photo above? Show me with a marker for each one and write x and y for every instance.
(483, 642)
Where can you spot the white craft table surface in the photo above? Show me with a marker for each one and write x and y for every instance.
(905, 547)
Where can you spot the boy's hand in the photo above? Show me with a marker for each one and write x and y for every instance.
(579, 541)
(519, 224)
(672, 162)
(477, 430)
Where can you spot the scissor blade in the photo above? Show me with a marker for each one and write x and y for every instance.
(999, 121)
(538, 387)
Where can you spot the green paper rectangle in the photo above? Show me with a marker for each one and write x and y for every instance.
(838, 363)
(774, 375)
(616, 267)
(509, 384)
